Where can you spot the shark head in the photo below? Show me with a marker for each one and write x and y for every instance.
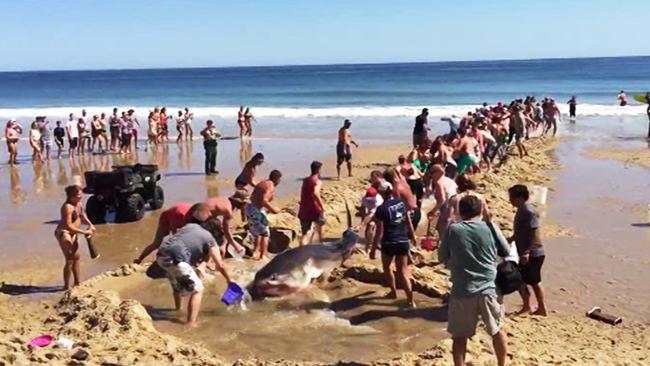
(294, 269)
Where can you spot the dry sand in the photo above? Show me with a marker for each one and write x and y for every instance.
(640, 157)
(114, 331)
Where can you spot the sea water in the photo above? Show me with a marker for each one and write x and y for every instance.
(380, 99)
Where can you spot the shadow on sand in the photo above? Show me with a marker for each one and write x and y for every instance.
(370, 300)
(16, 290)
(163, 314)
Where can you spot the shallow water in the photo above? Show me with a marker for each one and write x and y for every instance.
(351, 322)
(31, 195)
(605, 202)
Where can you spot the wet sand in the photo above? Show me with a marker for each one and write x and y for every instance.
(341, 319)
(640, 157)
(602, 194)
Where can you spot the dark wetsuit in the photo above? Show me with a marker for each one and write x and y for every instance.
(572, 108)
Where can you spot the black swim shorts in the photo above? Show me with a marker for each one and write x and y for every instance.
(531, 272)
(392, 249)
(74, 142)
(343, 153)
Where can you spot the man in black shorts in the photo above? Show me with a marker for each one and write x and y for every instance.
(530, 249)
(395, 232)
(344, 148)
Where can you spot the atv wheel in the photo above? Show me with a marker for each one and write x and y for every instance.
(131, 208)
(158, 199)
(96, 210)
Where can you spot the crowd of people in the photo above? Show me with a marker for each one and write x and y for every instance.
(441, 167)
(117, 133)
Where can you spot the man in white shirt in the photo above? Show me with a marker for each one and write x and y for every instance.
(73, 135)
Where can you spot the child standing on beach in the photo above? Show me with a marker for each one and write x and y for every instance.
(529, 246)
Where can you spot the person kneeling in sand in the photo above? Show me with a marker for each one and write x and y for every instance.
(180, 255)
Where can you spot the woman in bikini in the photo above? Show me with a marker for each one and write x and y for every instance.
(98, 133)
(180, 126)
(12, 135)
(189, 133)
(248, 122)
(247, 176)
(35, 141)
(72, 215)
(241, 121)
(152, 132)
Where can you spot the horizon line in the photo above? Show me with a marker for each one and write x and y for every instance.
(317, 64)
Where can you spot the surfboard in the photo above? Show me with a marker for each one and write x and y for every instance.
(640, 98)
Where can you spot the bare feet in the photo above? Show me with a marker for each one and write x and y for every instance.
(524, 310)
(391, 295)
(539, 312)
(411, 304)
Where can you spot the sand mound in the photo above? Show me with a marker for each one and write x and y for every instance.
(107, 331)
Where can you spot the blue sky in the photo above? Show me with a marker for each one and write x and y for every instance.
(77, 34)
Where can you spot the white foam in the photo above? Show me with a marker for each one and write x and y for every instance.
(53, 113)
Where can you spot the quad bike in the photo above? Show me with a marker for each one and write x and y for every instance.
(125, 190)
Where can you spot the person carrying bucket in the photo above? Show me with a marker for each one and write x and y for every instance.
(187, 249)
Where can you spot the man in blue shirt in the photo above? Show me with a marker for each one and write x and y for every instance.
(470, 251)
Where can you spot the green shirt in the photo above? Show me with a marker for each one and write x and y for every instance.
(470, 252)
(423, 167)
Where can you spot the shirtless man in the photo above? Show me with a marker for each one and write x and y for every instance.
(465, 150)
(551, 111)
(258, 224)
(247, 176)
(171, 219)
(343, 148)
(224, 207)
(519, 126)
(114, 127)
(403, 191)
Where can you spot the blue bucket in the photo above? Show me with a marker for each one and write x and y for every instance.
(233, 294)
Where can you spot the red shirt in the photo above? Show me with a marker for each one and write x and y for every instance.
(174, 217)
(309, 209)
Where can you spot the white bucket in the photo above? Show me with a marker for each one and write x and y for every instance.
(239, 256)
(76, 180)
(538, 194)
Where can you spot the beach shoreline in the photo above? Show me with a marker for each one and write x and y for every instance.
(125, 323)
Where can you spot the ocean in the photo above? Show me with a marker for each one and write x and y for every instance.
(304, 100)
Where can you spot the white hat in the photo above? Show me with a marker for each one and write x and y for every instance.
(385, 186)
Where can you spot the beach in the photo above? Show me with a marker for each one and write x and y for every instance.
(595, 226)
(121, 317)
